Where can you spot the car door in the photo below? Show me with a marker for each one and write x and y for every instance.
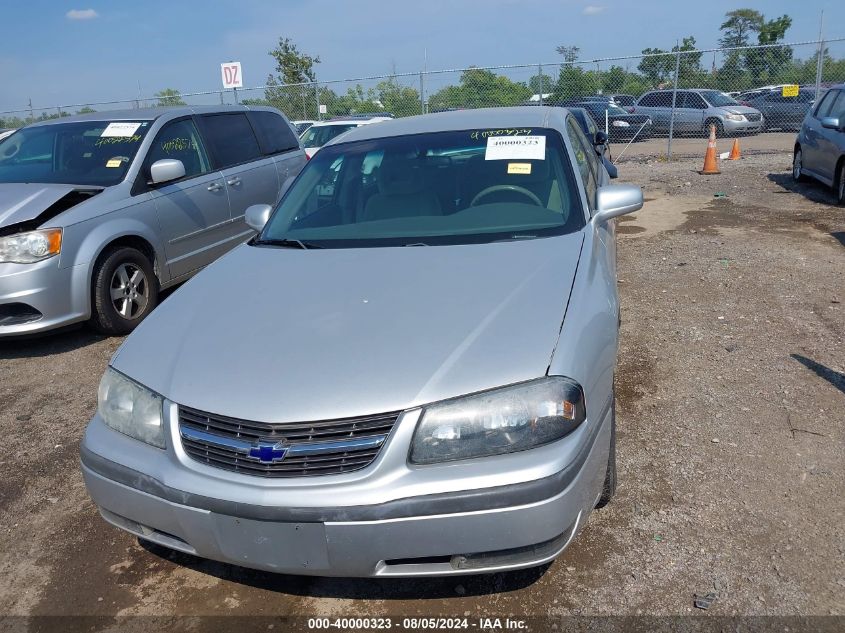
(830, 141)
(250, 176)
(771, 105)
(689, 112)
(813, 133)
(193, 212)
(660, 109)
(276, 139)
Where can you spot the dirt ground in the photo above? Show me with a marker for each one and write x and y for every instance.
(731, 404)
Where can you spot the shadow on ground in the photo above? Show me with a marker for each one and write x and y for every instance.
(813, 191)
(48, 344)
(835, 378)
(356, 588)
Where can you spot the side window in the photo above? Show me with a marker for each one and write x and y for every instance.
(825, 104)
(664, 99)
(230, 139)
(694, 100)
(591, 126)
(586, 159)
(647, 100)
(274, 134)
(180, 140)
(837, 108)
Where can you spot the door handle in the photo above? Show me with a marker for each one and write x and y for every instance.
(215, 186)
(233, 181)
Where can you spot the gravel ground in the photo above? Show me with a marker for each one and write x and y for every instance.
(731, 386)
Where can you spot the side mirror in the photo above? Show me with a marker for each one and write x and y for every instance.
(166, 170)
(615, 200)
(831, 122)
(601, 138)
(257, 215)
(612, 171)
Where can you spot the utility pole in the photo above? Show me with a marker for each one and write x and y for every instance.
(820, 59)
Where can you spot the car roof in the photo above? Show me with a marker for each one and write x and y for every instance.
(481, 118)
(151, 114)
(351, 121)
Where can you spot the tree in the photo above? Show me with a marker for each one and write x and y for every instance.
(398, 99)
(738, 27)
(656, 65)
(479, 88)
(85, 110)
(169, 97)
(293, 67)
(766, 63)
(540, 84)
(570, 53)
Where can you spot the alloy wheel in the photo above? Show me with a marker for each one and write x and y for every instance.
(130, 291)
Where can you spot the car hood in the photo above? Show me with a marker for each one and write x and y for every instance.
(21, 202)
(740, 109)
(281, 335)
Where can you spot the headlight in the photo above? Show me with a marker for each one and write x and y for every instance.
(621, 124)
(130, 408)
(30, 247)
(734, 117)
(500, 421)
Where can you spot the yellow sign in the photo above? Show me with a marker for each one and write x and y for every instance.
(114, 162)
(790, 91)
(519, 168)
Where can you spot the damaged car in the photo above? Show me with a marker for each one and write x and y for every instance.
(99, 212)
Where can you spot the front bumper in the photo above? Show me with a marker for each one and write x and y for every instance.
(41, 296)
(435, 520)
(735, 127)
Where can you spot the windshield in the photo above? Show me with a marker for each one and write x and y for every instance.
(716, 98)
(440, 188)
(87, 153)
(319, 135)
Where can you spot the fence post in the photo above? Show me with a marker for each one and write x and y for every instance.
(819, 68)
(540, 77)
(674, 98)
(422, 94)
(317, 94)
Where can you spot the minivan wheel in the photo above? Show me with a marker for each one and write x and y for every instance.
(798, 167)
(125, 290)
(609, 488)
(839, 190)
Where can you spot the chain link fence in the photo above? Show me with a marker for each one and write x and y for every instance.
(779, 81)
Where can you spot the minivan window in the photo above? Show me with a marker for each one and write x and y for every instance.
(94, 153)
(430, 189)
(718, 99)
(274, 133)
(693, 100)
(230, 138)
(180, 140)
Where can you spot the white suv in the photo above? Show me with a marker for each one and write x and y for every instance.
(322, 132)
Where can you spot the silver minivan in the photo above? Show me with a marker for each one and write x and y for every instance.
(99, 212)
(696, 110)
(407, 372)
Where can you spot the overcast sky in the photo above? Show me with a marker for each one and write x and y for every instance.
(97, 51)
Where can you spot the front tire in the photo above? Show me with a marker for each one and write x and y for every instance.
(609, 488)
(125, 290)
(798, 167)
(839, 184)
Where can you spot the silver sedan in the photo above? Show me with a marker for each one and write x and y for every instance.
(408, 372)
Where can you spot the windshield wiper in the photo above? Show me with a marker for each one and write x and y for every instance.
(286, 243)
(415, 244)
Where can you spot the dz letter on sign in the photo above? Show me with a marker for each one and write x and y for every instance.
(231, 74)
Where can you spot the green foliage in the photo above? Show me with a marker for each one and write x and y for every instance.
(85, 110)
(739, 26)
(398, 99)
(293, 67)
(478, 89)
(169, 97)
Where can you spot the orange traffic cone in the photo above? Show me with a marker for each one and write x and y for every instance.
(735, 153)
(711, 166)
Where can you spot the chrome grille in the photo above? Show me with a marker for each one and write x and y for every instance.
(753, 116)
(284, 450)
